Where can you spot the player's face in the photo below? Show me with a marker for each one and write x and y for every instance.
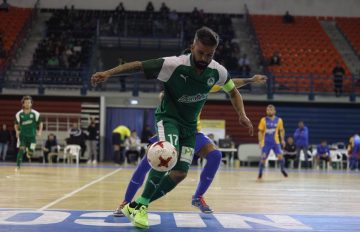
(27, 104)
(270, 111)
(202, 54)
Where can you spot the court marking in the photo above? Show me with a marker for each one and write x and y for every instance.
(78, 190)
(92, 221)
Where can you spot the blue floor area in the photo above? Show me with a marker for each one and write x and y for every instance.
(91, 221)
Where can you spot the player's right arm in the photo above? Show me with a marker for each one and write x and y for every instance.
(122, 68)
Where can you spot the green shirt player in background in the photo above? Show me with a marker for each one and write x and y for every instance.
(187, 81)
(27, 121)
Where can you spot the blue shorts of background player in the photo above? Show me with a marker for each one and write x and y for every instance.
(204, 148)
(268, 147)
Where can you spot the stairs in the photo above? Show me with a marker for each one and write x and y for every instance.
(342, 45)
(36, 35)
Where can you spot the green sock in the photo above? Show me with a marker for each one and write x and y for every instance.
(165, 186)
(151, 184)
(19, 158)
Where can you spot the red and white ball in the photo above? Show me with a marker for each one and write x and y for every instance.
(162, 156)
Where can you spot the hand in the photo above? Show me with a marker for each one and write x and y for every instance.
(260, 79)
(282, 143)
(99, 77)
(245, 121)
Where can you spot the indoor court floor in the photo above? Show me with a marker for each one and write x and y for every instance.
(68, 198)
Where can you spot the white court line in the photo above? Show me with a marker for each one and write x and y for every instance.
(77, 190)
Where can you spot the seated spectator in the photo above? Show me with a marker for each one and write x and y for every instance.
(275, 59)
(287, 18)
(149, 7)
(323, 153)
(77, 137)
(289, 151)
(50, 146)
(132, 148)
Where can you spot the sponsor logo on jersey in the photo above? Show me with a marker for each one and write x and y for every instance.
(195, 98)
(211, 81)
(270, 130)
(27, 122)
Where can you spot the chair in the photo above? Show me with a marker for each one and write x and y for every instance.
(54, 153)
(336, 158)
(71, 151)
(249, 152)
(310, 155)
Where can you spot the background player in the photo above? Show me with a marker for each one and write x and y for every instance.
(271, 128)
(204, 148)
(187, 82)
(354, 151)
(27, 121)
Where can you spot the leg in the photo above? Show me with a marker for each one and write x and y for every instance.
(5, 151)
(264, 154)
(279, 154)
(19, 156)
(213, 156)
(135, 183)
(297, 159)
(304, 149)
(1, 149)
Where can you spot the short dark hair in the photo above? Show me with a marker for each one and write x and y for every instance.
(207, 36)
(26, 98)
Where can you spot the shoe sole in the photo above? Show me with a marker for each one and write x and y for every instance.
(127, 214)
(119, 214)
(207, 212)
(140, 225)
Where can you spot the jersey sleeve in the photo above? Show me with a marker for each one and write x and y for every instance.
(261, 126)
(17, 118)
(152, 67)
(280, 124)
(224, 78)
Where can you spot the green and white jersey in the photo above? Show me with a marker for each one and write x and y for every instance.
(185, 92)
(28, 122)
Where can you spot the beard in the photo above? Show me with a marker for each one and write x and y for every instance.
(200, 64)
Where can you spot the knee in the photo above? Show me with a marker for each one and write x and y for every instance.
(215, 155)
(178, 176)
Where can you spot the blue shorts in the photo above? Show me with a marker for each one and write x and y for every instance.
(356, 149)
(200, 140)
(268, 147)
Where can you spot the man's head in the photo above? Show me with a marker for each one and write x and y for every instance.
(4, 126)
(204, 47)
(133, 134)
(323, 143)
(290, 140)
(270, 110)
(301, 124)
(26, 102)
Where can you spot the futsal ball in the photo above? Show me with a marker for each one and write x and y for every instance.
(162, 156)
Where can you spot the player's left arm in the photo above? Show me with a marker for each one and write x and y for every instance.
(240, 82)
(238, 104)
(282, 132)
